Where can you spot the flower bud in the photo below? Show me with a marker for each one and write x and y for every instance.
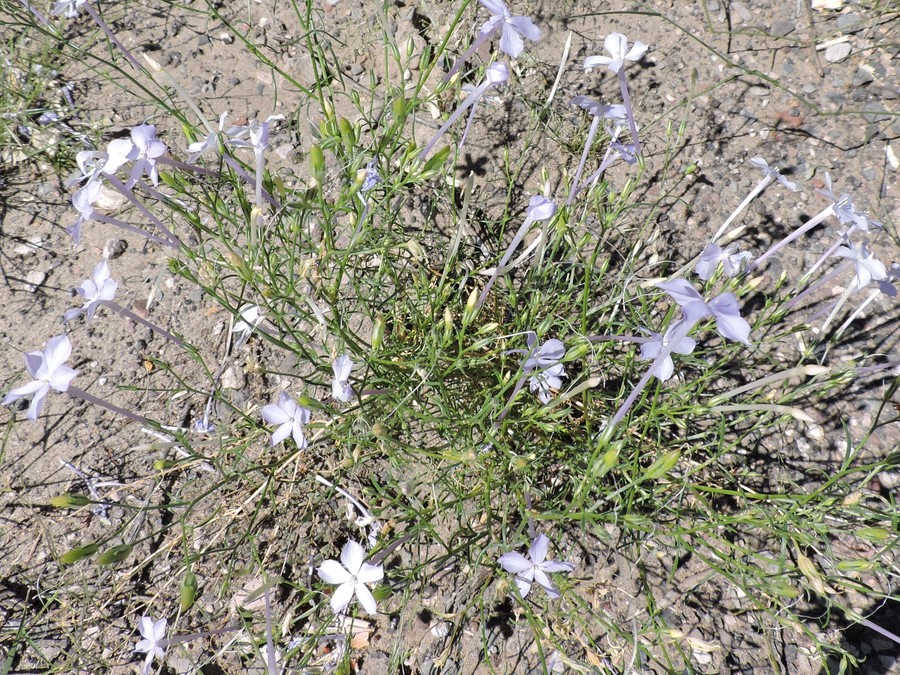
(188, 590)
(469, 311)
(73, 555)
(347, 135)
(317, 161)
(69, 501)
(115, 554)
(662, 466)
(377, 333)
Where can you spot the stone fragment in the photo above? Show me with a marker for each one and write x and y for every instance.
(34, 279)
(233, 378)
(862, 77)
(114, 248)
(837, 53)
(782, 27)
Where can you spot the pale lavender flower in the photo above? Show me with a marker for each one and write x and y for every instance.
(198, 148)
(535, 567)
(724, 308)
(290, 419)
(90, 165)
(351, 578)
(97, 290)
(544, 362)
(713, 255)
(49, 372)
(143, 148)
(83, 201)
(772, 173)
(616, 45)
(867, 266)
(67, 7)
(496, 73)
(512, 28)
(154, 643)
(249, 318)
(841, 206)
(658, 343)
(886, 285)
(340, 385)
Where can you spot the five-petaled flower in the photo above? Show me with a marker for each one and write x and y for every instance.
(729, 258)
(289, 417)
(617, 46)
(143, 148)
(154, 643)
(351, 578)
(512, 27)
(772, 173)
(100, 288)
(49, 372)
(867, 266)
(535, 567)
(544, 362)
(340, 385)
(672, 343)
(249, 318)
(724, 308)
(67, 7)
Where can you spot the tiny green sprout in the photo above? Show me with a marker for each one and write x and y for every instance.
(164, 464)
(114, 555)
(69, 500)
(73, 555)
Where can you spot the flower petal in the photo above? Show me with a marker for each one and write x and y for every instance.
(366, 599)
(616, 44)
(56, 351)
(525, 26)
(281, 433)
(514, 563)
(538, 550)
(370, 574)
(544, 582)
(352, 555)
(342, 596)
(332, 572)
(510, 41)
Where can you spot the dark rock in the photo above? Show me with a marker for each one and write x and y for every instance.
(862, 77)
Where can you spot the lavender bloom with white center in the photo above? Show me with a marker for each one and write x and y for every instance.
(886, 285)
(249, 318)
(83, 201)
(496, 73)
(772, 173)
(841, 206)
(340, 385)
(290, 419)
(351, 578)
(544, 362)
(67, 7)
(154, 643)
(143, 148)
(97, 290)
(867, 266)
(512, 28)
(199, 148)
(724, 308)
(90, 166)
(713, 255)
(616, 45)
(658, 343)
(49, 372)
(535, 567)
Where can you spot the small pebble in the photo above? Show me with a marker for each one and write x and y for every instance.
(782, 27)
(862, 77)
(114, 248)
(233, 378)
(850, 23)
(34, 279)
(838, 52)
